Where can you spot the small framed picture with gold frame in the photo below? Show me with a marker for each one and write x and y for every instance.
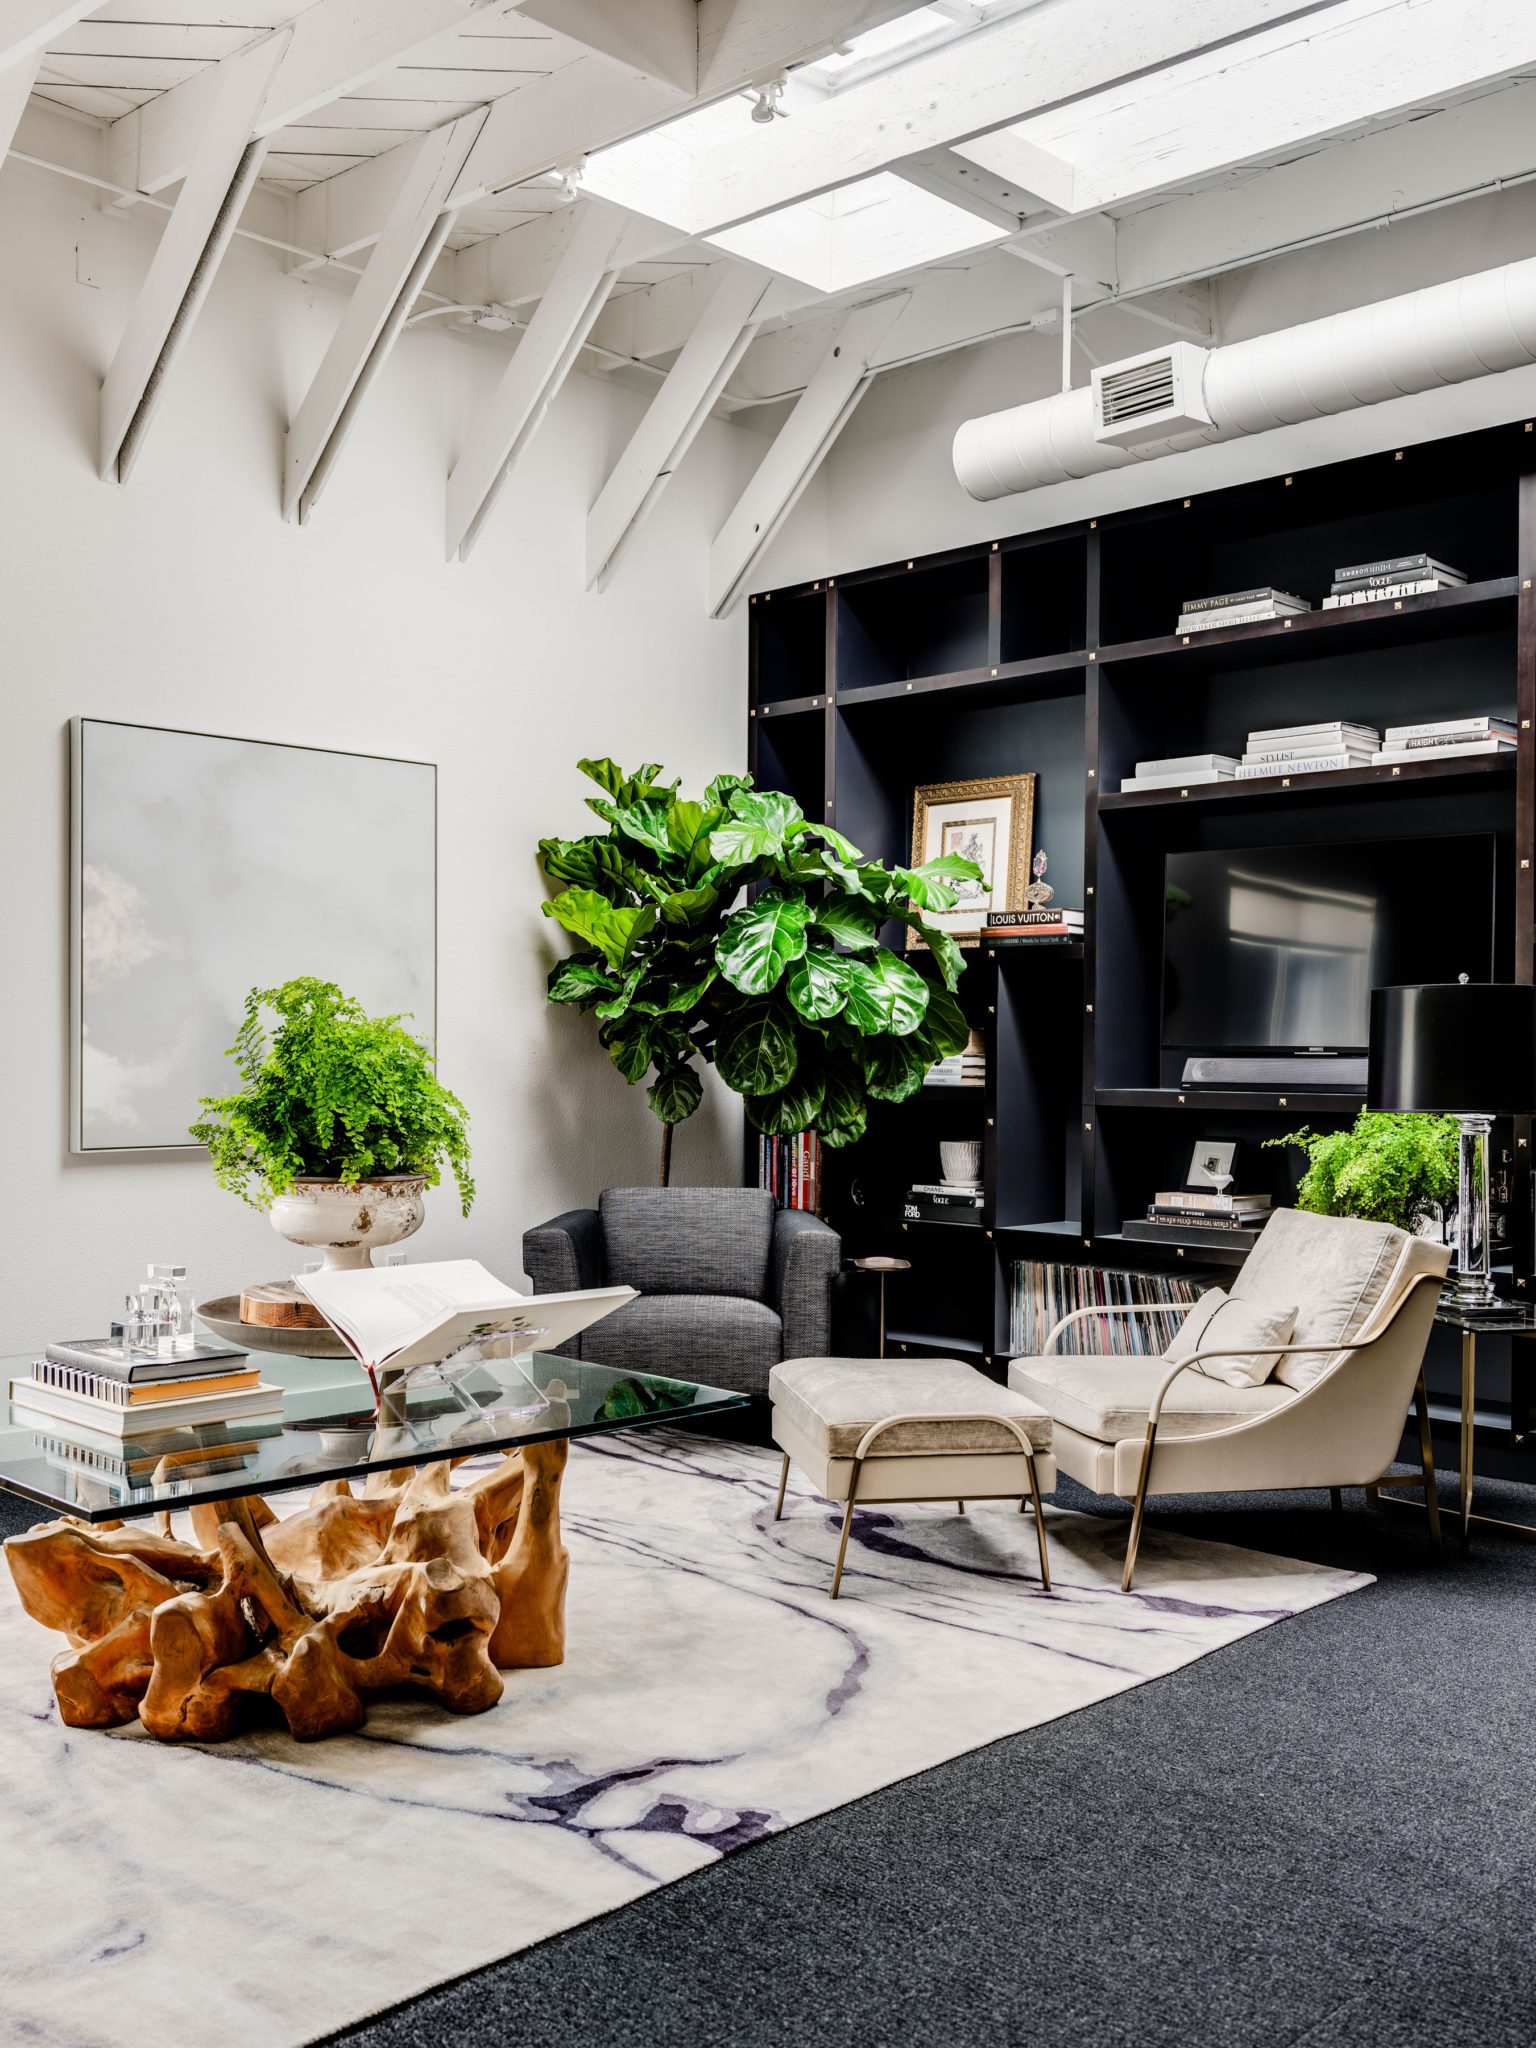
(990, 821)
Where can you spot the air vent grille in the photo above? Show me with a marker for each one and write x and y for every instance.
(1154, 397)
(1146, 387)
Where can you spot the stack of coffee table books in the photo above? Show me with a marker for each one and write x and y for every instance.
(1484, 734)
(1393, 576)
(945, 1201)
(1318, 749)
(1239, 608)
(1192, 1214)
(1179, 771)
(96, 1384)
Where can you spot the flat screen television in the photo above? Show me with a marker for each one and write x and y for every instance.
(1277, 948)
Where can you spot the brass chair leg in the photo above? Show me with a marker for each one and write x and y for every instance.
(960, 1506)
(1427, 1461)
(1034, 1494)
(842, 1548)
(1138, 1510)
(778, 1506)
(1373, 1498)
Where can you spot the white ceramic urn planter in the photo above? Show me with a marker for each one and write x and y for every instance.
(349, 1222)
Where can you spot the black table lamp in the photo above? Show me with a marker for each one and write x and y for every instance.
(1465, 1049)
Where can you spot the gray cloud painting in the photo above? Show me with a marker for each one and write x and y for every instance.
(205, 867)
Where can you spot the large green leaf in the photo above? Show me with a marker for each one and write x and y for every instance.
(945, 1022)
(625, 789)
(761, 822)
(838, 844)
(926, 891)
(757, 1053)
(597, 922)
(579, 981)
(907, 991)
(788, 1110)
(678, 997)
(816, 986)
(605, 773)
(598, 863)
(843, 1112)
(949, 867)
(847, 920)
(893, 1069)
(868, 1009)
(646, 823)
(629, 1046)
(689, 826)
(689, 906)
(718, 791)
(944, 947)
(758, 941)
(619, 1001)
(675, 1094)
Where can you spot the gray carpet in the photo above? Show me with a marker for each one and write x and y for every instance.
(1320, 1835)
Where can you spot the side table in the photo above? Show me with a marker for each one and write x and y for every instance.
(1518, 1321)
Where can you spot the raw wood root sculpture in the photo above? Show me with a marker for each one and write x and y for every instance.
(408, 1584)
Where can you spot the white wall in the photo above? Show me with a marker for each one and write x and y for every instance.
(888, 489)
(185, 600)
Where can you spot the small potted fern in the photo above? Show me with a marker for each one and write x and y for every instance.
(1387, 1169)
(340, 1124)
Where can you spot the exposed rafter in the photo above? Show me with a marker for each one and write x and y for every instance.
(657, 38)
(674, 417)
(217, 185)
(402, 257)
(797, 450)
(510, 416)
(15, 88)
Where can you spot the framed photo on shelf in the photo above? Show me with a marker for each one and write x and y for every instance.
(1210, 1164)
(990, 821)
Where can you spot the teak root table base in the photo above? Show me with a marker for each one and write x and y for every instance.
(408, 1584)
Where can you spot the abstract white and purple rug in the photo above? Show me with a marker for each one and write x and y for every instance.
(268, 1892)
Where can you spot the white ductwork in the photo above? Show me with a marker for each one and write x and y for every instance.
(1445, 334)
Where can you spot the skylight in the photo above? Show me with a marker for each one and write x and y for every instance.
(874, 228)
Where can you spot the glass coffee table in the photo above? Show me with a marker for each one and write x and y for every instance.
(398, 1580)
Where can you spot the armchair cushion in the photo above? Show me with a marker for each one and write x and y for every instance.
(1335, 1268)
(1110, 1398)
(1217, 1320)
(688, 1240)
(717, 1338)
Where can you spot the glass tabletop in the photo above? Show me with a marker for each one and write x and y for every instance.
(1514, 1319)
(332, 1433)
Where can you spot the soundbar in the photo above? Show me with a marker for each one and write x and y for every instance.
(1299, 1070)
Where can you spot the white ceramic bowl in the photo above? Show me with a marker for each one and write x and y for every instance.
(349, 1223)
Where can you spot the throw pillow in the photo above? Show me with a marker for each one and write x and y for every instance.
(1216, 1320)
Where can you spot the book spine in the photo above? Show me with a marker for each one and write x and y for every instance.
(1481, 727)
(1186, 764)
(1198, 777)
(1002, 917)
(1245, 615)
(1333, 732)
(1394, 565)
(1265, 595)
(1353, 751)
(1452, 739)
(1307, 764)
(1423, 586)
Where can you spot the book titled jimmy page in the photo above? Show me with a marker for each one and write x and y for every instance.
(403, 1316)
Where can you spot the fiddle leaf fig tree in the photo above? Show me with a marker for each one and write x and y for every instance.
(733, 930)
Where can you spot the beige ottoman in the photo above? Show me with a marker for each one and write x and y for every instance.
(904, 1429)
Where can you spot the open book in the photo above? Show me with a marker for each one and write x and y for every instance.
(400, 1316)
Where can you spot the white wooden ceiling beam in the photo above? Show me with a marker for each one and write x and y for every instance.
(543, 359)
(744, 40)
(658, 38)
(1003, 73)
(797, 450)
(692, 388)
(192, 242)
(375, 315)
(331, 48)
(27, 27)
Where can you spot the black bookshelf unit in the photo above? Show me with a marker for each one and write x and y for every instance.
(1051, 652)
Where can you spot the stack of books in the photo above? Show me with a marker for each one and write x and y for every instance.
(943, 1201)
(790, 1169)
(1032, 926)
(1308, 749)
(1396, 576)
(1203, 1215)
(1178, 771)
(94, 1383)
(1238, 608)
(1485, 734)
(121, 1464)
(966, 1069)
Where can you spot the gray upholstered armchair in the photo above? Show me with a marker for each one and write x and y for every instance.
(728, 1283)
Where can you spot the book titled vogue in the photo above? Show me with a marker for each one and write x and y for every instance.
(403, 1316)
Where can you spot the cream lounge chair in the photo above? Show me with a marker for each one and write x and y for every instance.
(1331, 1415)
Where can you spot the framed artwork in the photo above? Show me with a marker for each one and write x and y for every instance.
(1210, 1164)
(203, 867)
(990, 821)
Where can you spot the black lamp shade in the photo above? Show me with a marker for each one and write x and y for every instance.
(1454, 1048)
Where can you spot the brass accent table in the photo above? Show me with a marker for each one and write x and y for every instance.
(1519, 1320)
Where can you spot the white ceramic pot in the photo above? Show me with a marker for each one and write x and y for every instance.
(346, 1222)
(960, 1159)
